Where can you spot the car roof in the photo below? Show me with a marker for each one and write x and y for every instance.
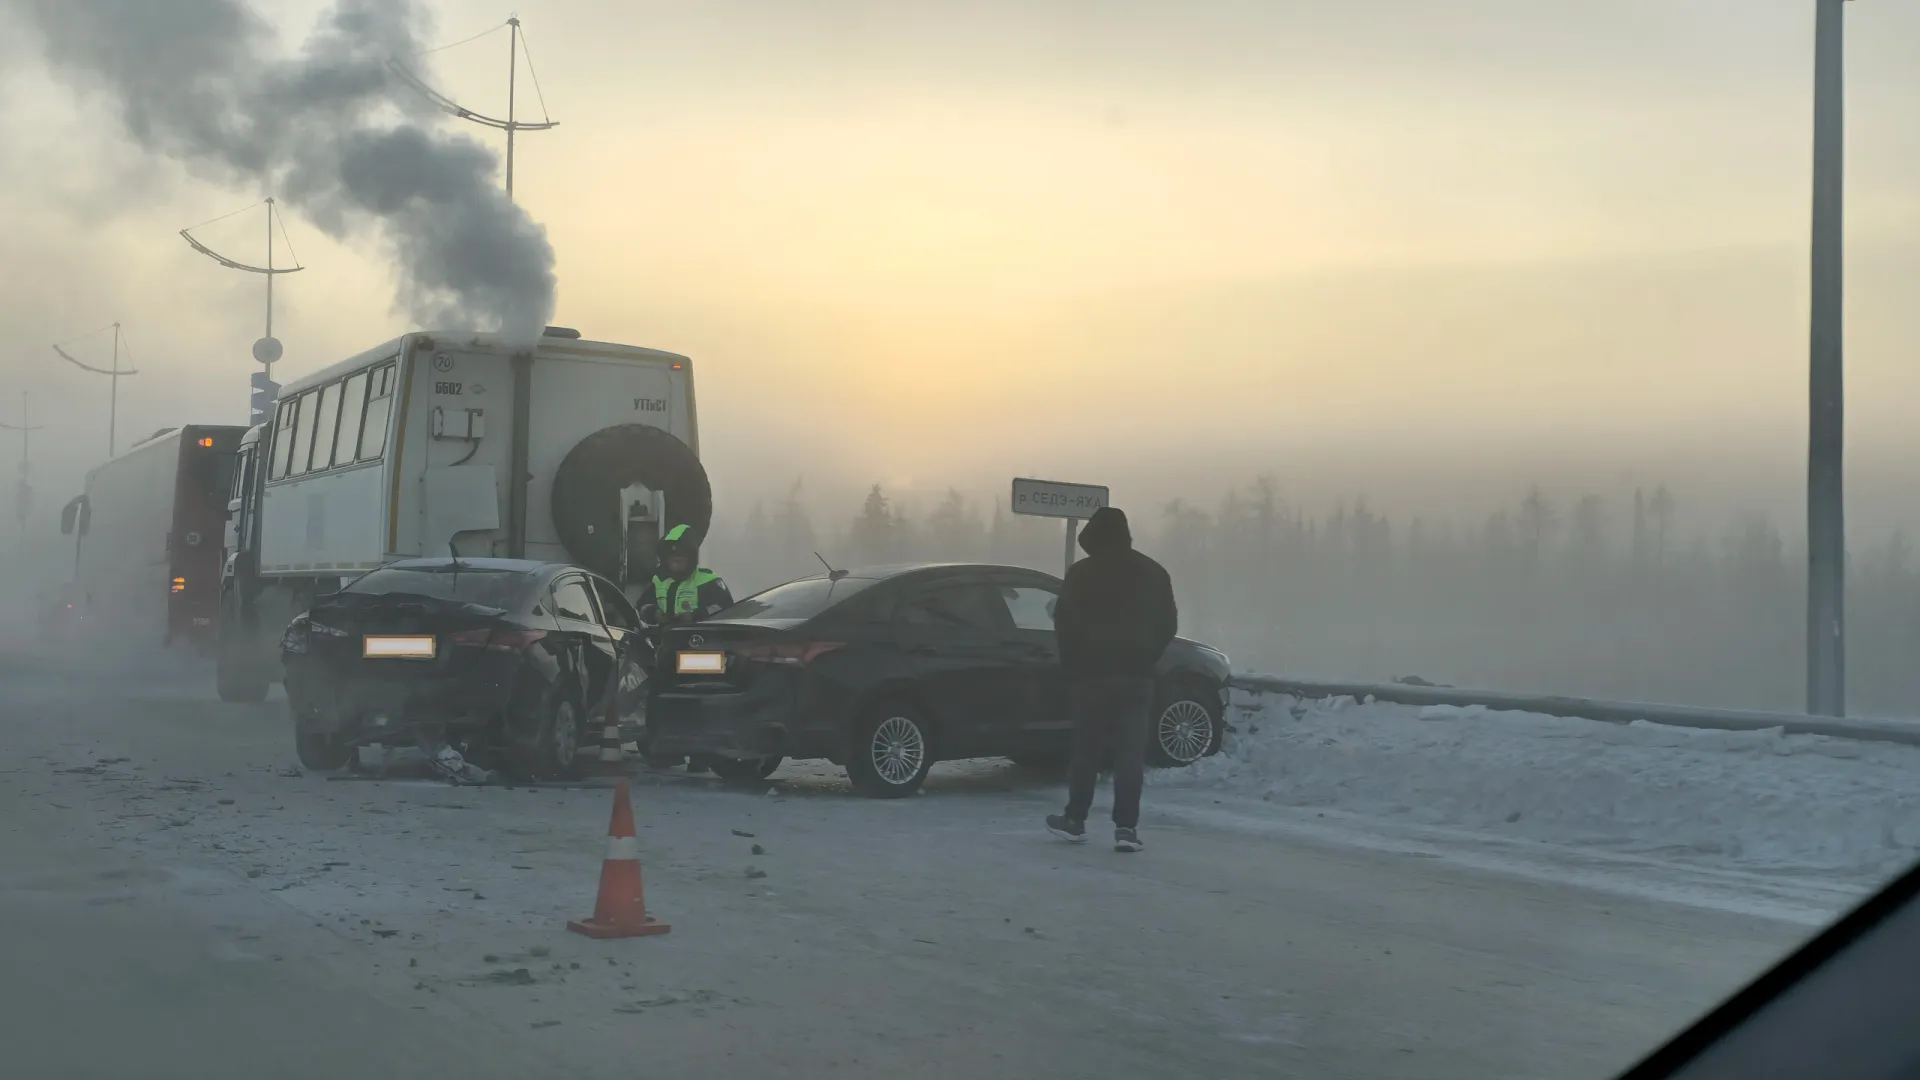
(887, 571)
(521, 566)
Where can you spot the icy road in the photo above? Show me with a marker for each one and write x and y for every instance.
(177, 901)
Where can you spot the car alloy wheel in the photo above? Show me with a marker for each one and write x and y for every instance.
(898, 750)
(1185, 731)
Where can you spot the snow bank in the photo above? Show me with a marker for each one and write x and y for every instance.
(1750, 800)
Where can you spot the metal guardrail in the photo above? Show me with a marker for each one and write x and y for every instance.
(1906, 732)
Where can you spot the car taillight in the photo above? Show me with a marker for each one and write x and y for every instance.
(179, 585)
(787, 652)
(497, 640)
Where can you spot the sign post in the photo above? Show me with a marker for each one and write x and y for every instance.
(1052, 498)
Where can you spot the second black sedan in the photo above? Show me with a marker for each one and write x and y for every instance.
(887, 670)
(509, 661)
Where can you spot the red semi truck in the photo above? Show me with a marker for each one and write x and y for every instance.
(147, 535)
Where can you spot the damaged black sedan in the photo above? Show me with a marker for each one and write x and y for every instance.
(509, 662)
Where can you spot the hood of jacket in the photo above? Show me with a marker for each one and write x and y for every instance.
(1106, 530)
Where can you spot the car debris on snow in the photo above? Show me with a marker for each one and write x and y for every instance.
(455, 769)
(691, 997)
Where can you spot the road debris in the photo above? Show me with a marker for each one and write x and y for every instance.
(690, 997)
(451, 767)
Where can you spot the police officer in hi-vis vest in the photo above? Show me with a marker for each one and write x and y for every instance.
(683, 590)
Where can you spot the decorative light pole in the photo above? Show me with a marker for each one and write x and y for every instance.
(267, 350)
(510, 125)
(114, 375)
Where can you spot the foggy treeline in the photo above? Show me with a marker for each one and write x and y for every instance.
(1572, 594)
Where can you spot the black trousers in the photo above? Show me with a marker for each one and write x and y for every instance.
(1111, 715)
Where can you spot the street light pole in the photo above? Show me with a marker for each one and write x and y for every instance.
(513, 70)
(114, 375)
(268, 349)
(512, 125)
(1826, 428)
(23, 496)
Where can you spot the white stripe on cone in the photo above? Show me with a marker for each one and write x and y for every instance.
(623, 849)
(610, 744)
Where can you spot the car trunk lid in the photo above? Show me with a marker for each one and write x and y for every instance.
(403, 636)
(730, 655)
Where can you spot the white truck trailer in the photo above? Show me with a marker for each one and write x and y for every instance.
(439, 443)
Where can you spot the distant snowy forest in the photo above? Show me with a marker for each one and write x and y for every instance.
(1576, 595)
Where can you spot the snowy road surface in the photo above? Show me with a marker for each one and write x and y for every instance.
(171, 896)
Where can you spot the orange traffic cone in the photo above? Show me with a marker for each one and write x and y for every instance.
(621, 908)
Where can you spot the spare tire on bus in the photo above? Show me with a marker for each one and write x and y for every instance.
(586, 490)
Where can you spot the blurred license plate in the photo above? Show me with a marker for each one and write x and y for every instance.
(398, 647)
(702, 663)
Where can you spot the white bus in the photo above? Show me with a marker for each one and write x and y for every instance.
(450, 442)
(146, 535)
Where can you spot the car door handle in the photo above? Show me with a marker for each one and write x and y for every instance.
(923, 650)
(1027, 647)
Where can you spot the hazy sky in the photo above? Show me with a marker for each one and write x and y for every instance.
(1426, 251)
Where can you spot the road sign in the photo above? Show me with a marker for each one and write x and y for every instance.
(1051, 498)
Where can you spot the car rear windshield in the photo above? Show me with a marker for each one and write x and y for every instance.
(502, 589)
(797, 599)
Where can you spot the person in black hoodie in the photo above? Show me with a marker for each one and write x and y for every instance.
(1114, 618)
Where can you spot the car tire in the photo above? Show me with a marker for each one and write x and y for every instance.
(749, 771)
(233, 679)
(550, 747)
(1187, 725)
(235, 685)
(321, 751)
(891, 753)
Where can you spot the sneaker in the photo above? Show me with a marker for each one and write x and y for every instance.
(1064, 827)
(1127, 840)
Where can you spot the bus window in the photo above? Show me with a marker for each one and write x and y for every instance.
(303, 430)
(346, 446)
(373, 434)
(324, 422)
(282, 441)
